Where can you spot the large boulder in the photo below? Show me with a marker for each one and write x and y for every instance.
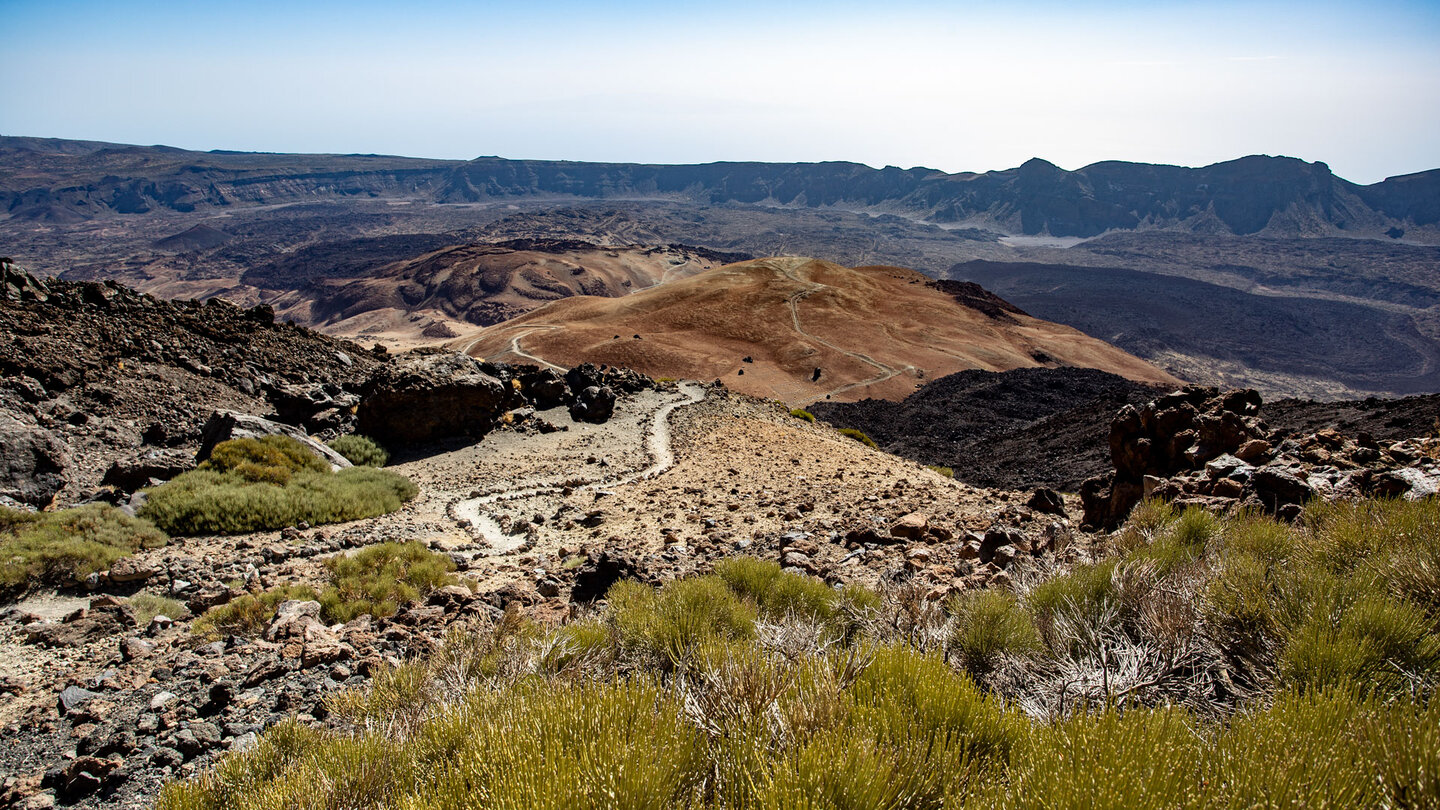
(431, 397)
(225, 425)
(595, 404)
(32, 462)
(147, 467)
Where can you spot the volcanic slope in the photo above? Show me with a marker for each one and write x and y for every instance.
(443, 292)
(801, 330)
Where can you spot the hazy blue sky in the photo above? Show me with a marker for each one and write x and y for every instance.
(953, 86)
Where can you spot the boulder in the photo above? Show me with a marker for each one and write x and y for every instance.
(130, 474)
(431, 397)
(545, 388)
(32, 462)
(911, 526)
(595, 404)
(225, 425)
(1047, 501)
(1276, 488)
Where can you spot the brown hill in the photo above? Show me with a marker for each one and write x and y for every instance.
(482, 284)
(766, 326)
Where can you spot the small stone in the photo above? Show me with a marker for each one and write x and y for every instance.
(910, 527)
(73, 699)
(162, 700)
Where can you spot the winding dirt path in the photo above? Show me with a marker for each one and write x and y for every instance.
(886, 372)
(472, 512)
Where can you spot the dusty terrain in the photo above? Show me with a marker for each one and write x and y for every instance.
(745, 478)
(798, 330)
(1229, 249)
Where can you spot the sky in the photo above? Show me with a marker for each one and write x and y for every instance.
(956, 86)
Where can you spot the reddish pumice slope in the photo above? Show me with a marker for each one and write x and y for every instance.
(871, 331)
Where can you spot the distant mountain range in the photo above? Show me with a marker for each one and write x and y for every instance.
(51, 180)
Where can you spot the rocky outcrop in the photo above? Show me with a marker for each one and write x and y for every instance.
(226, 425)
(32, 462)
(1204, 448)
(1180, 431)
(431, 397)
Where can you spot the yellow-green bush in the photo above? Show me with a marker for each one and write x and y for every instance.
(671, 622)
(63, 547)
(249, 614)
(693, 708)
(257, 484)
(362, 451)
(802, 414)
(988, 625)
(380, 578)
(859, 436)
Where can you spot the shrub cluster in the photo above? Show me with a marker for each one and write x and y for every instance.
(753, 687)
(362, 451)
(64, 547)
(252, 485)
(852, 433)
(378, 580)
(802, 414)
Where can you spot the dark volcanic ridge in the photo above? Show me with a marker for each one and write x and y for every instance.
(1048, 427)
(65, 181)
(1012, 429)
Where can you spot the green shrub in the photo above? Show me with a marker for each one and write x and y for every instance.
(670, 623)
(250, 614)
(1087, 591)
(801, 413)
(148, 605)
(778, 593)
(209, 502)
(63, 547)
(1374, 643)
(362, 451)
(988, 625)
(947, 472)
(381, 578)
(1137, 759)
(269, 460)
(852, 433)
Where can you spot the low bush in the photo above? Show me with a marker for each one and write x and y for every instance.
(852, 433)
(670, 623)
(947, 472)
(671, 699)
(64, 547)
(253, 485)
(148, 605)
(381, 578)
(776, 592)
(362, 451)
(802, 414)
(990, 625)
(250, 614)
(378, 580)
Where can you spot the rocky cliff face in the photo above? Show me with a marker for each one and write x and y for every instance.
(61, 181)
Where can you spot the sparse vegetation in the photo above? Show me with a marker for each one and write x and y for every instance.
(381, 578)
(729, 690)
(64, 547)
(852, 433)
(378, 581)
(257, 484)
(948, 472)
(248, 615)
(802, 414)
(148, 605)
(362, 451)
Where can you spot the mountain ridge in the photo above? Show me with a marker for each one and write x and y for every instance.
(68, 181)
